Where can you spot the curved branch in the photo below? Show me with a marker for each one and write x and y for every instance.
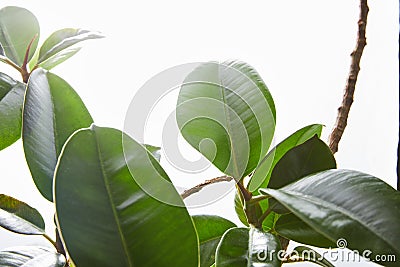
(198, 187)
(344, 109)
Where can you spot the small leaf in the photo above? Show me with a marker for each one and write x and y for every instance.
(239, 208)
(19, 217)
(210, 230)
(18, 27)
(226, 112)
(115, 222)
(293, 228)
(52, 112)
(11, 100)
(248, 247)
(310, 157)
(26, 256)
(308, 254)
(262, 174)
(63, 39)
(155, 151)
(347, 204)
(59, 58)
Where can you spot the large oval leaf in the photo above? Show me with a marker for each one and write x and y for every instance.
(26, 256)
(310, 157)
(105, 218)
(19, 217)
(248, 247)
(52, 112)
(62, 39)
(18, 27)
(347, 204)
(262, 174)
(226, 112)
(11, 100)
(210, 229)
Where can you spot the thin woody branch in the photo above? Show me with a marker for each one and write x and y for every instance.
(199, 187)
(344, 109)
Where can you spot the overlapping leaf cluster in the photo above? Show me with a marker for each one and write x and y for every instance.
(291, 191)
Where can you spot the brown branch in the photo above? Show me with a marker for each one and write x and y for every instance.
(199, 187)
(344, 109)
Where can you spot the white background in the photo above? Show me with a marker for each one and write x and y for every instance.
(300, 48)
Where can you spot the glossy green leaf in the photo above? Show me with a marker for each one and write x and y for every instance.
(226, 112)
(59, 58)
(11, 100)
(114, 222)
(18, 27)
(63, 39)
(310, 157)
(29, 256)
(308, 254)
(155, 151)
(210, 229)
(262, 174)
(355, 206)
(248, 247)
(19, 217)
(52, 112)
(293, 228)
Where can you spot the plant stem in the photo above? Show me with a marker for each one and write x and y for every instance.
(50, 240)
(9, 62)
(59, 245)
(344, 109)
(257, 199)
(24, 68)
(199, 187)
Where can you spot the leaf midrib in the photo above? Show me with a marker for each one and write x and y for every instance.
(105, 178)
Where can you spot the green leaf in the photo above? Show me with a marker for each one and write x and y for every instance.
(262, 174)
(155, 151)
(29, 256)
(63, 39)
(226, 112)
(210, 230)
(59, 58)
(239, 208)
(19, 217)
(347, 204)
(293, 228)
(248, 247)
(18, 27)
(308, 254)
(310, 157)
(1, 51)
(52, 112)
(105, 217)
(11, 100)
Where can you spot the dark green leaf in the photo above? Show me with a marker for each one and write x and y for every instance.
(115, 222)
(31, 257)
(248, 247)
(18, 27)
(347, 204)
(210, 230)
(11, 100)
(308, 254)
(19, 217)
(226, 112)
(262, 174)
(63, 39)
(59, 58)
(52, 112)
(310, 157)
(293, 228)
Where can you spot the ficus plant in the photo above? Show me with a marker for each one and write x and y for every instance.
(103, 183)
